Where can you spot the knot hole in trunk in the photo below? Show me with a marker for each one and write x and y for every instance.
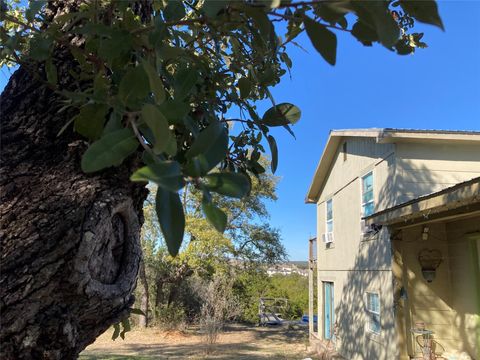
(110, 254)
(110, 248)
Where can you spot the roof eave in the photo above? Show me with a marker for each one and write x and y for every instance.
(320, 172)
(462, 194)
(329, 151)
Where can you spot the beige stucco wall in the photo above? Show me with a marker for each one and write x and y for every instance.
(354, 340)
(362, 155)
(344, 187)
(349, 262)
(465, 282)
(428, 303)
(400, 171)
(424, 168)
(448, 306)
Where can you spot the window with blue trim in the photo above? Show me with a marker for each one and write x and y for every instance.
(373, 310)
(330, 216)
(368, 205)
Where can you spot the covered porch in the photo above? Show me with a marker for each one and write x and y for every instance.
(436, 273)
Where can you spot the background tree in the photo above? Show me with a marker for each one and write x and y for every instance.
(109, 91)
(209, 253)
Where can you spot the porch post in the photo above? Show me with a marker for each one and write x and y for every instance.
(311, 266)
(319, 298)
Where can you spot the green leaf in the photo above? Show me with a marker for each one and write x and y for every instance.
(101, 86)
(245, 86)
(274, 150)
(116, 46)
(330, 13)
(262, 22)
(116, 332)
(174, 111)
(167, 52)
(185, 81)
(208, 149)
(171, 218)
(133, 87)
(387, 28)
(212, 8)
(364, 33)
(174, 11)
(114, 123)
(40, 48)
(256, 168)
(166, 174)
(424, 11)
(377, 16)
(323, 40)
(126, 327)
(156, 84)
(159, 33)
(34, 8)
(267, 76)
(110, 150)
(137, 311)
(286, 59)
(294, 28)
(228, 184)
(159, 126)
(89, 122)
(214, 215)
(403, 48)
(205, 139)
(51, 71)
(290, 131)
(281, 114)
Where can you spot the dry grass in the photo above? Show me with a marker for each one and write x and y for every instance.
(238, 342)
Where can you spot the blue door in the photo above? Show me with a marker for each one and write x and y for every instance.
(328, 313)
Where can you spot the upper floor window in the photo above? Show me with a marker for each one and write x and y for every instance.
(373, 312)
(344, 151)
(367, 195)
(330, 216)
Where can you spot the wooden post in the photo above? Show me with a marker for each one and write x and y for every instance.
(320, 333)
(311, 268)
(310, 291)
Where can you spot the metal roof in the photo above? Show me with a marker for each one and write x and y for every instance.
(404, 130)
(382, 135)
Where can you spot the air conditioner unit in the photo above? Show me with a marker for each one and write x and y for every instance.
(328, 238)
(364, 228)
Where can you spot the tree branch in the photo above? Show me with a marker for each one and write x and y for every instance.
(139, 136)
(16, 21)
(287, 17)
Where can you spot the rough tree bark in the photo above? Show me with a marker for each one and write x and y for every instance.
(70, 247)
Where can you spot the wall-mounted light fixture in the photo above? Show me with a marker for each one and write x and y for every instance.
(430, 260)
(425, 231)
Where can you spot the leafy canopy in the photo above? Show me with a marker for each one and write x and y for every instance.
(161, 76)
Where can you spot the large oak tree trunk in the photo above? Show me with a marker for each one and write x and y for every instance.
(69, 241)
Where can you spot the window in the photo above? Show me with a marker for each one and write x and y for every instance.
(373, 310)
(330, 216)
(367, 195)
(344, 150)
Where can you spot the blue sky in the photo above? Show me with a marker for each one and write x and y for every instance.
(437, 88)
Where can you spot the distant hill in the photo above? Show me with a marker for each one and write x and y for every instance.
(299, 264)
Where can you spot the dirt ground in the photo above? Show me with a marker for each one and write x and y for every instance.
(238, 342)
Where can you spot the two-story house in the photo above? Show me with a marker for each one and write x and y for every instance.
(398, 238)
